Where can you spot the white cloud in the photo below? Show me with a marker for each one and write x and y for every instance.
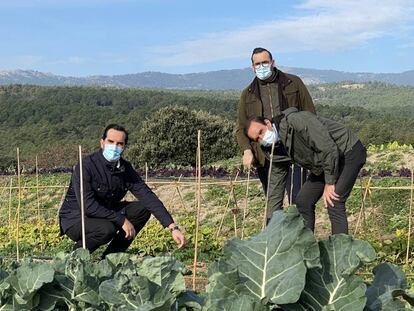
(318, 25)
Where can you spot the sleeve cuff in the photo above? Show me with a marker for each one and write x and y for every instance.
(120, 220)
(330, 179)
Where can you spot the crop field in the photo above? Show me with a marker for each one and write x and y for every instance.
(232, 206)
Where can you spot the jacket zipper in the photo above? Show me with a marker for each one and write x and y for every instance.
(270, 100)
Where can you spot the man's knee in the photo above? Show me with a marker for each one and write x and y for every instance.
(137, 214)
(302, 202)
(105, 233)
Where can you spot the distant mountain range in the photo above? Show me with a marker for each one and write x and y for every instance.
(214, 80)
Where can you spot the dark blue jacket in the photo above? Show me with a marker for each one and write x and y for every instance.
(104, 186)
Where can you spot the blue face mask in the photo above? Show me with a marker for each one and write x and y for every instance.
(269, 137)
(112, 152)
(263, 71)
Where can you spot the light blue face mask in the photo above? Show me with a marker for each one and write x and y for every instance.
(112, 152)
(269, 137)
(263, 71)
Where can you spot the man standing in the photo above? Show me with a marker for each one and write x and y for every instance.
(332, 153)
(271, 92)
(106, 179)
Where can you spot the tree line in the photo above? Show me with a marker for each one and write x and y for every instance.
(51, 122)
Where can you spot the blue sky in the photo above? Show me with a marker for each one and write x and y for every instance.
(90, 37)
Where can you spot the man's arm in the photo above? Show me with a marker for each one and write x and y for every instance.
(241, 136)
(145, 195)
(305, 99)
(142, 192)
(92, 207)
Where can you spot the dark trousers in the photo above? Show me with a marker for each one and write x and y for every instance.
(101, 231)
(296, 176)
(312, 190)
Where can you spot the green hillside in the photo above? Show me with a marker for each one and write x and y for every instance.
(52, 121)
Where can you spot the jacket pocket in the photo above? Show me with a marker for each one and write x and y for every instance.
(101, 190)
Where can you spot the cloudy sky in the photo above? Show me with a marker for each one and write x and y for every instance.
(88, 37)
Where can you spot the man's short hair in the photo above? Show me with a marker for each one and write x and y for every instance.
(257, 119)
(260, 50)
(115, 127)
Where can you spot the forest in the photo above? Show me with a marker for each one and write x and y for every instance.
(51, 122)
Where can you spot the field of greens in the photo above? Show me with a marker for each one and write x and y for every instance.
(282, 267)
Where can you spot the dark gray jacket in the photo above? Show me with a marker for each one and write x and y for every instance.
(314, 142)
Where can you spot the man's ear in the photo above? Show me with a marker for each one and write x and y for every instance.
(268, 124)
(102, 143)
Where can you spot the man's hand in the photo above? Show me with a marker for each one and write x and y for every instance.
(329, 195)
(247, 158)
(177, 235)
(129, 229)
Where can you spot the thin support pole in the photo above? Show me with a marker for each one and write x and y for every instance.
(197, 224)
(82, 198)
(179, 192)
(146, 172)
(38, 206)
(410, 214)
(235, 210)
(362, 210)
(18, 204)
(292, 176)
(231, 185)
(246, 205)
(37, 192)
(268, 187)
(10, 201)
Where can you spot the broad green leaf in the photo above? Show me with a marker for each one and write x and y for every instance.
(28, 278)
(225, 292)
(165, 272)
(334, 286)
(242, 303)
(85, 287)
(273, 264)
(57, 293)
(138, 293)
(223, 286)
(389, 284)
(118, 259)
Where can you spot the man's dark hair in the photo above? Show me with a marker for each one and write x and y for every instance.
(260, 50)
(115, 127)
(257, 119)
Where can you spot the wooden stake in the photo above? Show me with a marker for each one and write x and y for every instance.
(81, 198)
(37, 192)
(268, 186)
(10, 201)
(18, 205)
(227, 205)
(198, 207)
(362, 210)
(246, 205)
(410, 214)
(146, 172)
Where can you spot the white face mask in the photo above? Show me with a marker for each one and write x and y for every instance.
(269, 137)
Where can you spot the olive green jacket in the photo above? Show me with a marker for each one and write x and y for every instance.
(292, 93)
(315, 143)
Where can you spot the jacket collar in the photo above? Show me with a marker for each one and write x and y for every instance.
(281, 79)
(114, 167)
